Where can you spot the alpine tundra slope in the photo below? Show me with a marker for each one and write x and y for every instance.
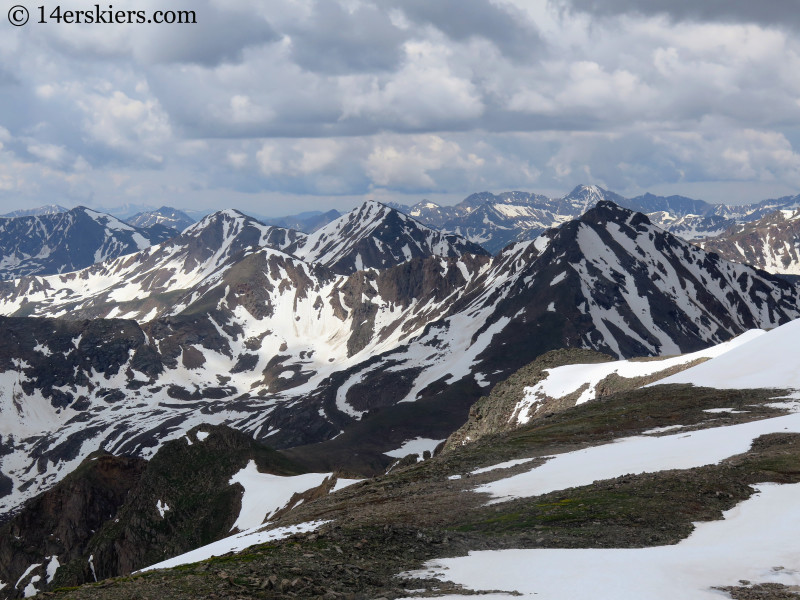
(655, 491)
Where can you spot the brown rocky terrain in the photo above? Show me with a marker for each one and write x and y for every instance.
(387, 525)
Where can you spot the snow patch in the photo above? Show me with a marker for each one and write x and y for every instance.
(566, 380)
(416, 446)
(753, 542)
(52, 567)
(235, 543)
(639, 454)
(265, 494)
(762, 362)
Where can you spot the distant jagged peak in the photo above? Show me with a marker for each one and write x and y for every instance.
(48, 209)
(592, 194)
(425, 204)
(374, 235)
(165, 215)
(232, 231)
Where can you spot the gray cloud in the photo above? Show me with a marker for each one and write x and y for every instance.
(217, 37)
(765, 12)
(461, 20)
(337, 41)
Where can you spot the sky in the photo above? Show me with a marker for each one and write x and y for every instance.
(292, 105)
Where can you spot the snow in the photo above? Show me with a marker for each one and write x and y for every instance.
(91, 566)
(265, 494)
(767, 361)
(162, 508)
(52, 567)
(566, 380)
(236, 543)
(343, 483)
(26, 573)
(202, 435)
(638, 454)
(756, 541)
(664, 429)
(30, 589)
(416, 446)
(513, 211)
(503, 465)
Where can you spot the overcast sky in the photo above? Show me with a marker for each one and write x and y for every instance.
(288, 105)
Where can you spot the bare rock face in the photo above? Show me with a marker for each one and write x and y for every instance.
(492, 414)
(114, 515)
(56, 527)
(191, 478)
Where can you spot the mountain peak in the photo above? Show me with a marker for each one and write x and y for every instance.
(49, 209)
(606, 211)
(165, 216)
(378, 236)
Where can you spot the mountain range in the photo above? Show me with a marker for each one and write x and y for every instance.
(139, 393)
(60, 242)
(494, 221)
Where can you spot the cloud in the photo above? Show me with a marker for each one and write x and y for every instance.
(770, 13)
(425, 93)
(347, 98)
(336, 40)
(117, 121)
(219, 35)
(500, 23)
(413, 163)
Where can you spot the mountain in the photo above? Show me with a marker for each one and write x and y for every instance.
(166, 216)
(376, 236)
(63, 242)
(345, 370)
(635, 487)
(307, 222)
(771, 243)
(149, 283)
(50, 209)
(222, 329)
(676, 205)
(494, 221)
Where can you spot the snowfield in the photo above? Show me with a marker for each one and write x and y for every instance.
(569, 379)
(767, 361)
(634, 455)
(756, 541)
(235, 543)
(265, 494)
(416, 446)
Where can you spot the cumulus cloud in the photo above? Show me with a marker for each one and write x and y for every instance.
(501, 23)
(341, 99)
(410, 163)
